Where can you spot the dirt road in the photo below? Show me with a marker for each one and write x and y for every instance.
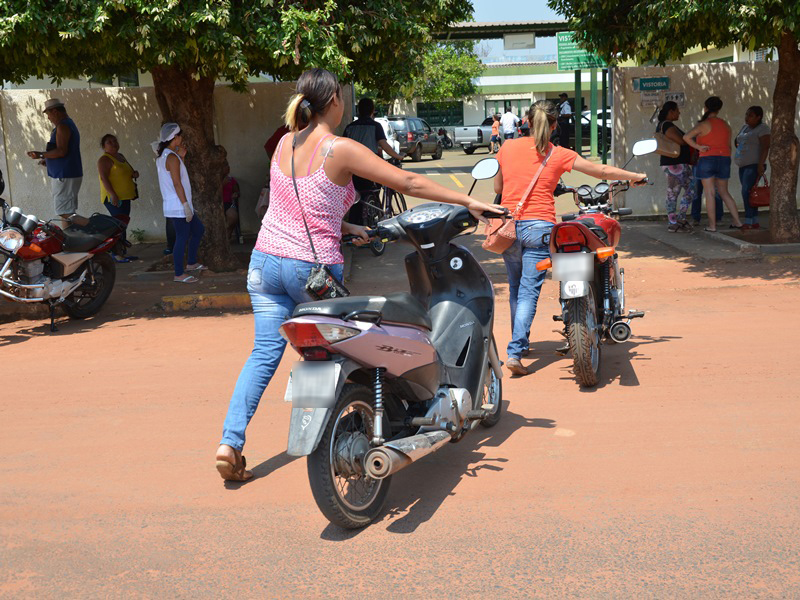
(678, 476)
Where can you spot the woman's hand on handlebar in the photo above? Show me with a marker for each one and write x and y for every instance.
(477, 208)
(361, 236)
(641, 179)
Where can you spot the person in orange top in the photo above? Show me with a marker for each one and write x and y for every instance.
(712, 137)
(519, 161)
(494, 141)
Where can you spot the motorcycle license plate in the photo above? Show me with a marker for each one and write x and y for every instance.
(575, 266)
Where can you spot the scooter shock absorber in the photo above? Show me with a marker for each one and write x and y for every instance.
(377, 428)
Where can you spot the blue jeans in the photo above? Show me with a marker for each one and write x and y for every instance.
(697, 201)
(276, 285)
(124, 208)
(524, 281)
(192, 233)
(748, 175)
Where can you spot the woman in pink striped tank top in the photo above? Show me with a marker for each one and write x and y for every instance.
(282, 259)
(712, 137)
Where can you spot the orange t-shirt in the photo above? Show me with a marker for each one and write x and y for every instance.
(718, 139)
(496, 128)
(519, 160)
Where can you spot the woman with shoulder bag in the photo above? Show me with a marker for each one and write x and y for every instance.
(678, 170)
(752, 148)
(530, 168)
(311, 189)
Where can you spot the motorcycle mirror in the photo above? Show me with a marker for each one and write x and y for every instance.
(643, 147)
(485, 169)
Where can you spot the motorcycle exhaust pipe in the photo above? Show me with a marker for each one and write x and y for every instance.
(620, 332)
(388, 459)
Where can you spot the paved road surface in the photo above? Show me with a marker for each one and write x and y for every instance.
(677, 477)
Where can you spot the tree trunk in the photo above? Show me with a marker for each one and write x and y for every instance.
(190, 103)
(784, 225)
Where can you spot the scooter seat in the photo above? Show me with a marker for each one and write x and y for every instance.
(401, 308)
(79, 238)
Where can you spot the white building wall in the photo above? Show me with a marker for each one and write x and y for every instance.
(739, 85)
(243, 123)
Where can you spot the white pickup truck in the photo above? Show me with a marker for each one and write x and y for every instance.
(477, 136)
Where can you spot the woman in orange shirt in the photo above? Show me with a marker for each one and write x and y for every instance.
(519, 161)
(712, 137)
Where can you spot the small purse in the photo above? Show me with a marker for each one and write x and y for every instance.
(666, 146)
(321, 283)
(759, 194)
(501, 235)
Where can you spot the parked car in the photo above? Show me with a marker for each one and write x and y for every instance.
(602, 121)
(415, 137)
(476, 136)
(391, 135)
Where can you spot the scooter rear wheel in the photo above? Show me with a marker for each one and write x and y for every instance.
(90, 297)
(344, 494)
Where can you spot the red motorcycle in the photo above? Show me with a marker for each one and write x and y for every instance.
(43, 263)
(584, 259)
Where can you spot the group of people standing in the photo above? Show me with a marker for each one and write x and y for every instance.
(705, 157)
(118, 188)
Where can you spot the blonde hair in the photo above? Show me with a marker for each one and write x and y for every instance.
(315, 90)
(541, 116)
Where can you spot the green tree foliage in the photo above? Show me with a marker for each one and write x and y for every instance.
(448, 72)
(661, 30)
(190, 44)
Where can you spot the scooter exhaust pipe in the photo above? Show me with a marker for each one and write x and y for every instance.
(388, 459)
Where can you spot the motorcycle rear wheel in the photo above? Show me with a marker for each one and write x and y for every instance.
(90, 297)
(584, 338)
(347, 498)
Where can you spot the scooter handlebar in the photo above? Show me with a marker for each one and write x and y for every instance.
(493, 215)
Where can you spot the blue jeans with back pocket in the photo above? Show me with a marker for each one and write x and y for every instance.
(276, 285)
(524, 281)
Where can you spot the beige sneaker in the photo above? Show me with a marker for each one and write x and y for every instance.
(515, 366)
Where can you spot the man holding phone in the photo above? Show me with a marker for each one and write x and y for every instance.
(63, 159)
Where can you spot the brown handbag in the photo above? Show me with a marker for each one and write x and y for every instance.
(759, 194)
(500, 235)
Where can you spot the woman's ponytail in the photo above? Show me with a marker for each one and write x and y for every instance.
(298, 113)
(541, 116)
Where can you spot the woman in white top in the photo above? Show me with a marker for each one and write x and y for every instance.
(173, 179)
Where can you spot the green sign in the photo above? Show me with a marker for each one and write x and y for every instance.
(571, 56)
(650, 84)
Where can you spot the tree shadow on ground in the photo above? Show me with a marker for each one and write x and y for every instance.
(418, 491)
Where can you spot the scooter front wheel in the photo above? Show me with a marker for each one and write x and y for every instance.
(343, 492)
(584, 338)
(492, 394)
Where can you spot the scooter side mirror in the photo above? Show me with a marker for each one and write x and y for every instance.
(485, 169)
(643, 147)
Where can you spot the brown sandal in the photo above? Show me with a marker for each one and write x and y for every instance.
(234, 472)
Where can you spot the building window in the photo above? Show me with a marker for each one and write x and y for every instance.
(101, 80)
(129, 79)
(441, 114)
(519, 106)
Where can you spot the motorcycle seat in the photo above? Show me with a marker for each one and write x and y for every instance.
(594, 227)
(82, 238)
(400, 308)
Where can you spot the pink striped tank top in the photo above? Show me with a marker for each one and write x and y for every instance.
(324, 205)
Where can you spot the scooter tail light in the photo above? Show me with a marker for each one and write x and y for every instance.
(605, 252)
(309, 335)
(545, 264)
(566, 236)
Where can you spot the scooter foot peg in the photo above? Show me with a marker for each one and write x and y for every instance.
(488, 407)
(423, 422)
(476, 414)
(635, 314)
(558, 318)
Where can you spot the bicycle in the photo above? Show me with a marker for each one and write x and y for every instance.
(379, 204)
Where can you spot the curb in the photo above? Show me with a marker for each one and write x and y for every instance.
(743, 246)
(189, 302)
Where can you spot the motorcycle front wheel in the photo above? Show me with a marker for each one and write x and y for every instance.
(492, 394)
(344, 494)
(584, 338)
(90, 297)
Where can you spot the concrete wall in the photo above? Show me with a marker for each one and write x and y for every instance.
(243, 122)
(740, 85)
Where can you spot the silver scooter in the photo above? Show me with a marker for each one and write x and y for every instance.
(388, 379)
